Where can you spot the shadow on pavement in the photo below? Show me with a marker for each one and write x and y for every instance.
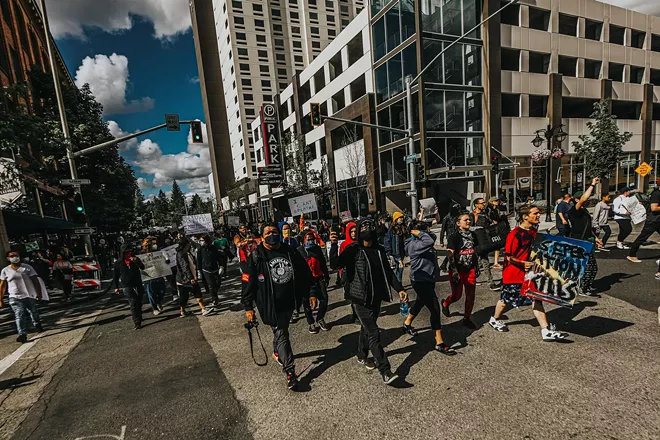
(594, 326)
(604, 284)
(17, 382)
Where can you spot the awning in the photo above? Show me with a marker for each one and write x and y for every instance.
(19, 224)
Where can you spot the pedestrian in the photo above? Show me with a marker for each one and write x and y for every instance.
(395, 248)
(464, 267)
(127, 270)
(245, 243)
(154, 287)
(622, 217)
(517, 254)
(22, 282)
(601, 220)
(222, 244)
(315, 258)
(479, 219)
(496, 217)
(41, 265)
(561, 219)
(63, 274)
(276, 275)
(581, 229)
(209, 263)
(651, 225)
(336, 250)
(448, 229)
(368, 280)
(186, 278)
(420, 246)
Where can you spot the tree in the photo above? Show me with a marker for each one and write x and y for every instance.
(177, 203)
(355, 169)
(296, 165)
(197, 206)
(601, 148)
(161, 209)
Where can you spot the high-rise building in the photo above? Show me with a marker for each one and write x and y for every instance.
(260, 46)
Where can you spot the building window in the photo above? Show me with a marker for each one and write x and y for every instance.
(248, 97)
(279, 42)
(261, 38)
(636, 74)
(655, 43)
(265, 83)
(356, 49)
(539, 19)
(316, 44)
(511, 59)
(539, 62)
(298, 58)
(238, 20)
(538, 106)
(592, 69)
(631, 110)
(259, 23)
(241, 36)
(567, 66)
(314, 30)
(313, 16)
(264, 69)
(275, 12)
(257, 8)
(592, 29)
(568, 25)
(358, 88)
(511, 15)
(332, 33)
(580, 108)
(617, 34)
(655, 77)
(246, 82)
(281, 72)
(263, 53)
(637, 38)
(237, 5)
(277, 27)
(297, 44)
(244, 67)
(330, 18)
(616, 72)
(242, 52)
(294, 15)
(510, 105)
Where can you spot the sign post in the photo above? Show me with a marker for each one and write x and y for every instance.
(75, 182)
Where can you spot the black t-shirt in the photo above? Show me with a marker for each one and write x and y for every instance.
(580, 223)
(281, 274)
(655, 198)
(462, 243)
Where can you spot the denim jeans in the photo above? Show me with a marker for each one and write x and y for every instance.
(398, 270)
(22, 307)
(155, 291)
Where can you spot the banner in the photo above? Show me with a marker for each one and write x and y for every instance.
(197, 224)
(233, 220)
(302, 204)
(560, 264)
(155, 265)
(170, 252)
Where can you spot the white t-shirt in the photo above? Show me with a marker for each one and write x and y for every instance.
(19, 282)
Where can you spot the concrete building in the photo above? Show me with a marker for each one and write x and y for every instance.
(260, 46)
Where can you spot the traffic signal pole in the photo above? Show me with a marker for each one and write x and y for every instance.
(414, 200)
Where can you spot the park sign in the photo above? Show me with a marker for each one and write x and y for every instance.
(561, 263)
(270, 126)
(197, 224)
(302, 204)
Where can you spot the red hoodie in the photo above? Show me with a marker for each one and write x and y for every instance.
(348, 240)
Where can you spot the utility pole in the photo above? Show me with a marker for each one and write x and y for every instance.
(414, 199)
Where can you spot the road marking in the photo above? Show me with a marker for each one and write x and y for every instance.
(110, 436)
(9, 360)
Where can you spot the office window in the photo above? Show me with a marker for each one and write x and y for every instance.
(259, 23)
(592, 69)
(277, 27)
(636, 74)
(261, 38)
(276, 12)
(295, 30)
(539, 62)
(268, 98)
(655, 43)
(265, 83)
(332, 33)
(627, 109)
(244, 67)
(257, 8)
(316, 44)
(236, 5)
(511, 15)
(539, 19)
(655, 77)
(538, 106)
(319, 80)
(294, 15)
(238, 20)
(358, 88)
(241, 36)
(510, 105)
(567, 66)
(279, 42)
(281, 72)
(344, 23)
(248, 97)
(592, 29)
(264, 69)
(298, 58)
(577, 107)
(297, 44)
(616, 72)
(263, 53)
(355, 49)
(510, 59)
(313, 16)
(314, 30)
(330, 18)
(280, 57)
(246, 82)
(637, 38)
(242, 52)
(617, 34)
(329, 4)
(568, 25)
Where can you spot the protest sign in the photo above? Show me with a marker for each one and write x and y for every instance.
(155, 265)
(170, 252)
(560, 264)
(197, 224)
(31, 246)
(233, 220)
(429, 208)
(302, 205)
(345, 215)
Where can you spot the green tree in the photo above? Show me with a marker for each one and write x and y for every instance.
(161, 209)
(177, 203)
(197, 205)
(601, 148)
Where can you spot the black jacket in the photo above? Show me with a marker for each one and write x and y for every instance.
(129, 275)
(208, 258)
(316, 252)
(185, 267)
(259, 288)
(357, 272)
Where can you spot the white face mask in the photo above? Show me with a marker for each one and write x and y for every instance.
(15, 260)
(154, 247)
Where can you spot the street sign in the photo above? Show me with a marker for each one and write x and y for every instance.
(411, 193)
(643, 169)
(74, 182)
(84, 231)
(509, 166)
(172, 122)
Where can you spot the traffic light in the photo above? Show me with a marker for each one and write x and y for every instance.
(495, 164)
(196, 127)
(421, 172)
(315, 113)
(79, 216)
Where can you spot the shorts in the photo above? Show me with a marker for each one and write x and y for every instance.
(511, 295)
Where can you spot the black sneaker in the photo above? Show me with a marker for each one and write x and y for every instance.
(313, 329)
(445, 349)
(389, 377)
(294, 317)
(138, 326)
(445, 310)
(291, 380)
(409, 329)
(40, 329)
(368, 363)
(467, 322)
(495, 287)
(322, 325)
(21, 338)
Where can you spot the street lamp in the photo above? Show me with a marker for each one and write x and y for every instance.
(547, 135)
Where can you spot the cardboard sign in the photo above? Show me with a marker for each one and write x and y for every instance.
(302, 205)
(197, 224)
(560, 264)
(233, 220)
(170, 252)
(429, 207)
(345, 215)
(155, 265)
(636, 209)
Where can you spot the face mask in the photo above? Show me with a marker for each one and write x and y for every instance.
(367, 235)
(154, 247)
(272, 240)
(15, 260)
(399, 221)
(309, 244)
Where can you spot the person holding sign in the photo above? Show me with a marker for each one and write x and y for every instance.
(517, 254)
(652, 225)
(582, 229)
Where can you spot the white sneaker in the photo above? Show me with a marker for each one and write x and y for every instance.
(208, 311)
(550, 334)
(156, 312)
(604, 249)
(498, 325)
(620, 245)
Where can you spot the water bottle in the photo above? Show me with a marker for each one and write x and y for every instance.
(404, 309)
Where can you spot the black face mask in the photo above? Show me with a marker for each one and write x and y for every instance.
(272, 240)
(367, 235)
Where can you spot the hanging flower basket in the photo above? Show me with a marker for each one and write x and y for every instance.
(557, 153)
(540, 155)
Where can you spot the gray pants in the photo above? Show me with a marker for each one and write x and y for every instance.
(281, 342)
(484, 267)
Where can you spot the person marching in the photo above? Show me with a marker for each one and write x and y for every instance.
(186, 278)
(395, 249)
(423, 272)
(517, 253)
(315, 257)
(479, 219)
(622, 217)
(277, 278)
(449, 228)
(63, 274)
(127, 269)
(464, 267)
(336, 250)
(209, 261)
(24, 291)
(368, 279)
(155, 287)
(651, 225)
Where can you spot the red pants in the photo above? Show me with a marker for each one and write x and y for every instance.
(467, 280)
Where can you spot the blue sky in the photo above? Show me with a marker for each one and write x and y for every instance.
(146, 78)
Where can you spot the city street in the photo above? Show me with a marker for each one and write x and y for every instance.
(90, 374)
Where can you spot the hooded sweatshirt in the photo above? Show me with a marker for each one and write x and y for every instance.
(291, 241)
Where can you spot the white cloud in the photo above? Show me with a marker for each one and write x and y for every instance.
(190, 167)
(144, 183)
(116, 131)
(646, 6)
(194, 80)
(107, 77)
(69, 17)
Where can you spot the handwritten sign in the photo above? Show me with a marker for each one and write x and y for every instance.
(170, 252)
(429, 207)
(155, 265)
(303, 204)
(197, 224)
(345, 215)
(233, 220)
(560, 264)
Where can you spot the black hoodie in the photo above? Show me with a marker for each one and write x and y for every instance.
(369, 277)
